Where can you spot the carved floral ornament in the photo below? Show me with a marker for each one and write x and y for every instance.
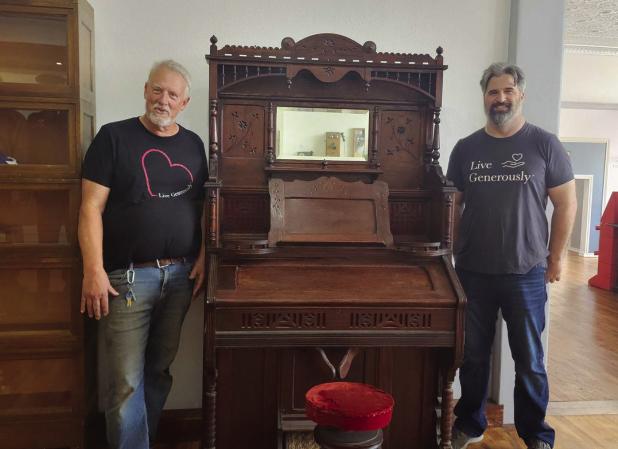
(241, 133)
(399, 131)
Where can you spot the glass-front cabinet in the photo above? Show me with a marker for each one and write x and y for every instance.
(47, 119)
(34, 48)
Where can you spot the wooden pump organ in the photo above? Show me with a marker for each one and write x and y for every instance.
(329, 240)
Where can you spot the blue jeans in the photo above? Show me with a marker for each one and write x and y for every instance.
(522, 298)
(141, 336)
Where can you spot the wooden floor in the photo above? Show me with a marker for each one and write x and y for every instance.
(583, 337)
(582, 366)
(572, 432)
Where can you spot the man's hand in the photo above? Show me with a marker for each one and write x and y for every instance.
(554, 268)
(95, 291)
(197, 274)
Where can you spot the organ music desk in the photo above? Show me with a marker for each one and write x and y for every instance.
(325, 266)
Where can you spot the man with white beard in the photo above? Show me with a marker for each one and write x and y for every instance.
(504, 174)
(140, 234)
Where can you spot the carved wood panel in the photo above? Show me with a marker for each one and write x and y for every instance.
(246, 399)
(245, 213)
(242, 145)
(401, 149)
(409, 217)
(243, 131)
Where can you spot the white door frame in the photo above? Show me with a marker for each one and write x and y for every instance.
(584, 236)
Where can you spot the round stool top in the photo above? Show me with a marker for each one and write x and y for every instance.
(349, 406)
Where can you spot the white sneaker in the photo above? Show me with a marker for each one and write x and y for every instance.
(538, 444)
(460, 440)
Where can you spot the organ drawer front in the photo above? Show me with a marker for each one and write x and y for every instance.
(336, 319)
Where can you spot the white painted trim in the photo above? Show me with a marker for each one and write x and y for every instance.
(584, 228)
(587, 105)
(604, 50)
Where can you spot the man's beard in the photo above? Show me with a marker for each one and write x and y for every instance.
(499, 118)
(160, 121)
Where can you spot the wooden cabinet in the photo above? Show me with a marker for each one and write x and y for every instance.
(47, 105)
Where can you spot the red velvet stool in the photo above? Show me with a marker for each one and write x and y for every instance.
(348, 415)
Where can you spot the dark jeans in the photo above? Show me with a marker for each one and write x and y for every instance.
(522, 299)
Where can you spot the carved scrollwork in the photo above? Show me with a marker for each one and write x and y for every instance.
(330, 185)
(276, 202)
(283, 320)
(390, 320)
(407, 217)
(328, 47)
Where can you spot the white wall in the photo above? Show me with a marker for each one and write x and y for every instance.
(595, 124)
(130, 35)
(590, 104)
(590, 78)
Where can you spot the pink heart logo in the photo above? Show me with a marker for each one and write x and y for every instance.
(169, 163)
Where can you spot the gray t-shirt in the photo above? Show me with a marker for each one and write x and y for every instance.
(505, 180)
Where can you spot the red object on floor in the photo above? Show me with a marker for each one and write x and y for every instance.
(349, 406)
(607, 272)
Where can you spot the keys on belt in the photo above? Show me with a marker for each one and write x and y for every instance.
(160, 263)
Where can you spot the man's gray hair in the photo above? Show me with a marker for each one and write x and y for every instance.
(501, 68)
(176, 67)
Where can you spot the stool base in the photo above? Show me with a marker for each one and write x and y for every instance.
(332, 438)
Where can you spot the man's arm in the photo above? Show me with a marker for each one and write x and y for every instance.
(95, 285)
(565, 206)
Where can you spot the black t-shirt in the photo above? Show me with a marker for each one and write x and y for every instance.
(154, 206)
(504, 228)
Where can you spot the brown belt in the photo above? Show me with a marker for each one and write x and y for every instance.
(160, 263)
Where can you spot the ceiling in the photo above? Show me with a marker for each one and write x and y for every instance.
(591, 23)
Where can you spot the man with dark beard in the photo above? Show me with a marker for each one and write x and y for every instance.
(504, 174)
(140, 235)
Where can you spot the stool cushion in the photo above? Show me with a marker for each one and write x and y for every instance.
(349, 406)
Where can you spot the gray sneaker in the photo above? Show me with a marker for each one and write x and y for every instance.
(460, 440)
(538, 444)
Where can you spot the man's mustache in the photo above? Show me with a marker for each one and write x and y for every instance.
(497, 105)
